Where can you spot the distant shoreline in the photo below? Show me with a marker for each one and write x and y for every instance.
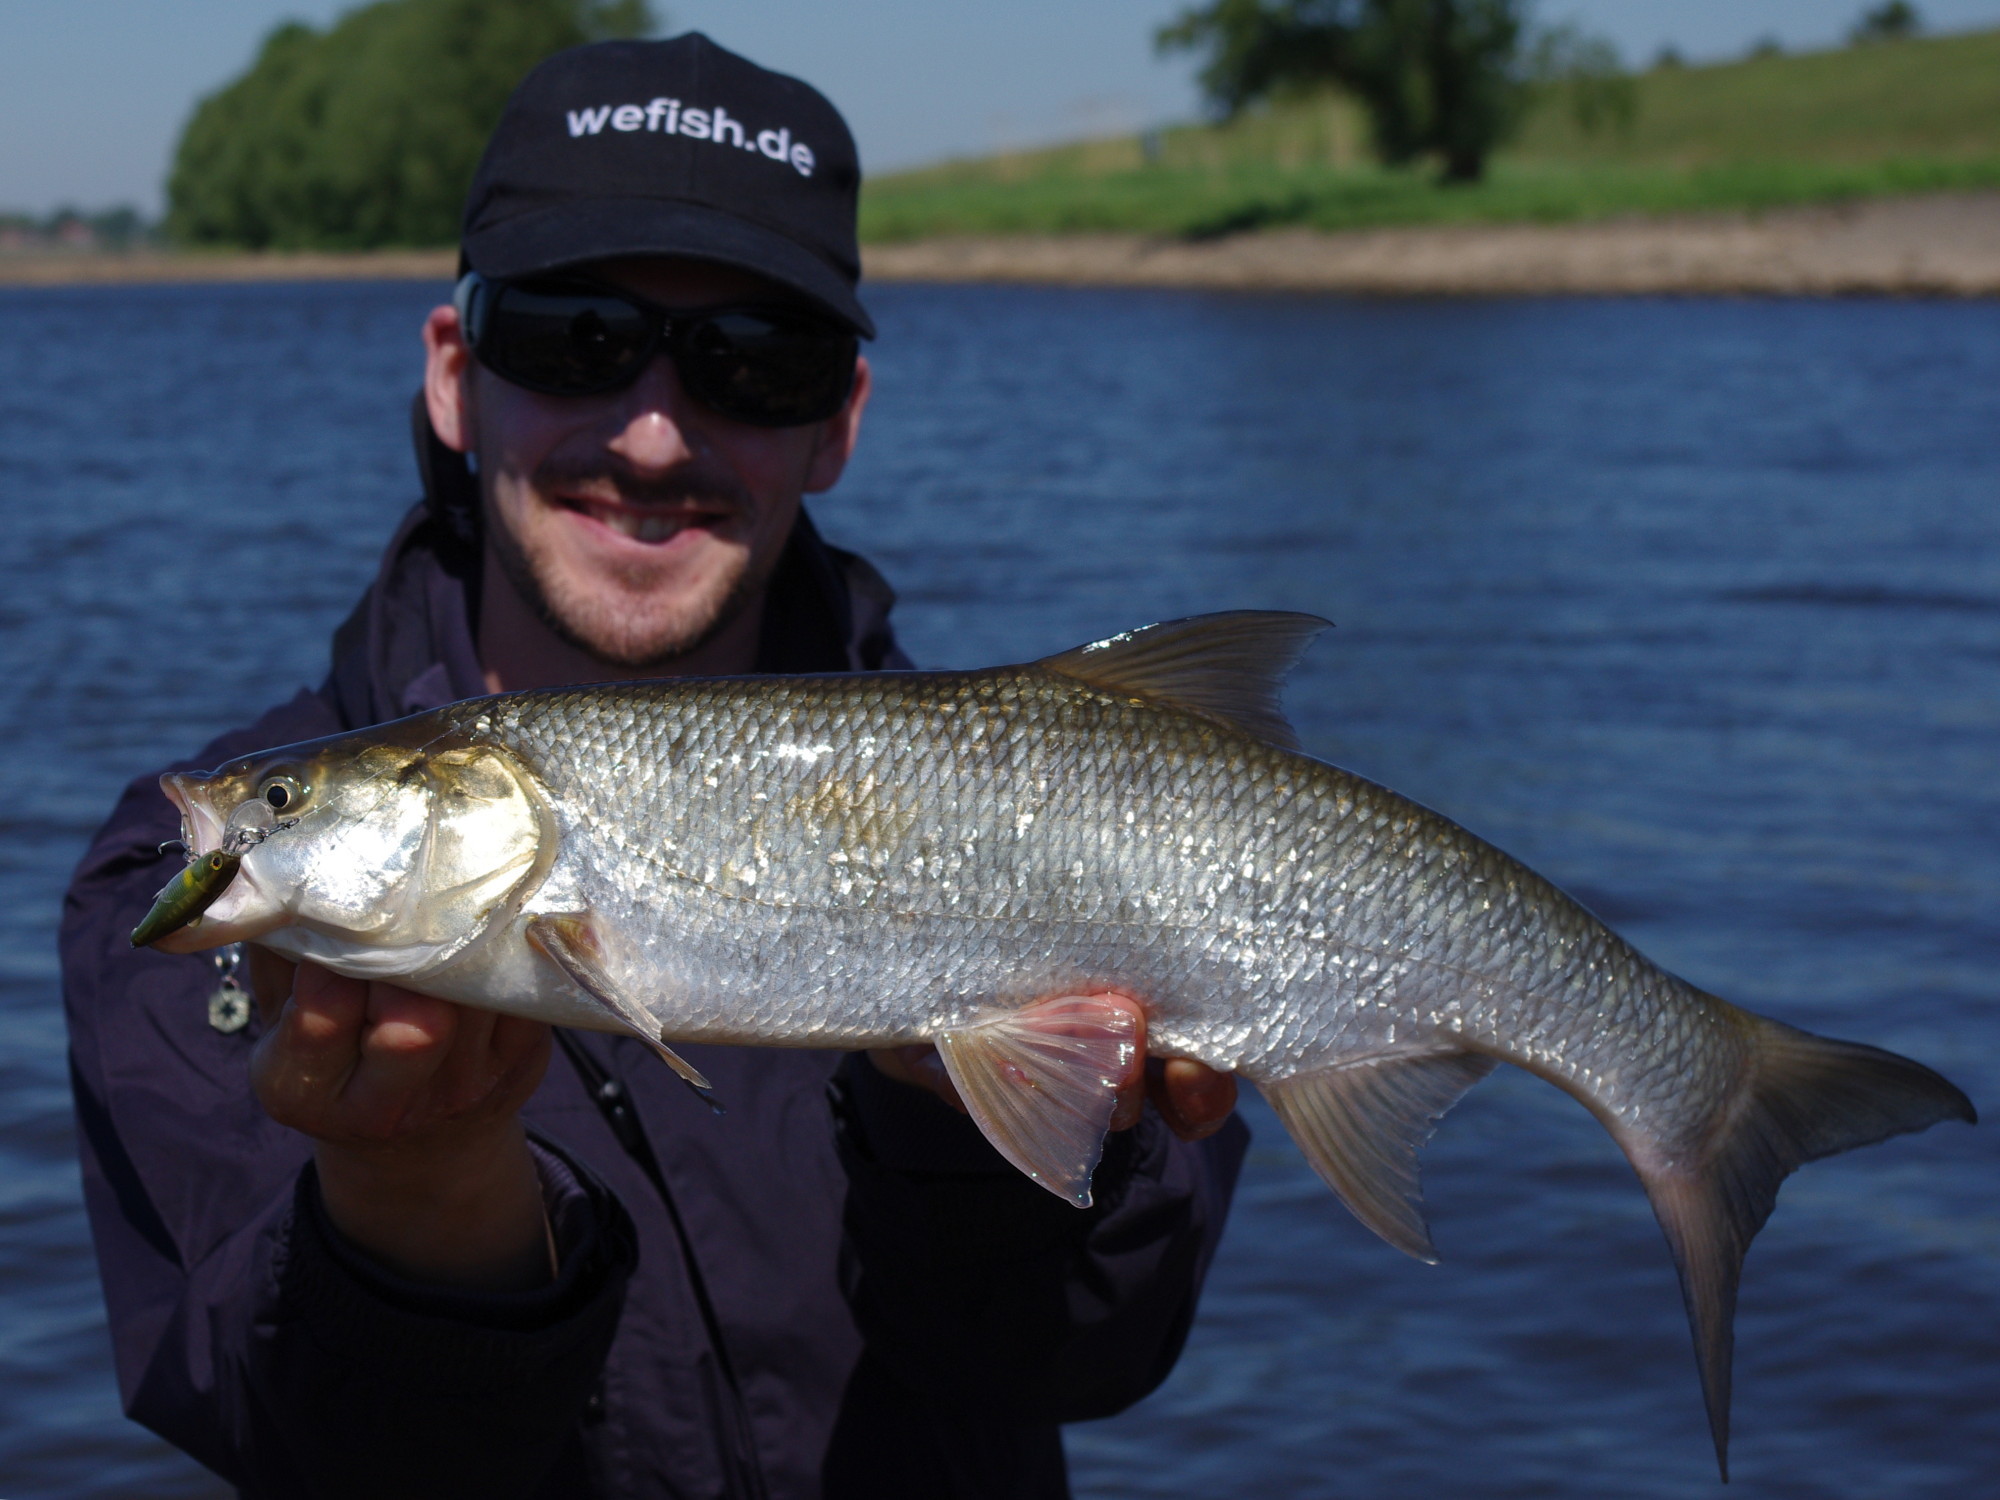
(85, 268)
(1945, 245)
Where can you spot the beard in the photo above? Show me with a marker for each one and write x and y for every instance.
(635, 616)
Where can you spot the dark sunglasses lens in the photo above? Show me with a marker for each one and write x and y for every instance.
(565, 341)
(765, 368)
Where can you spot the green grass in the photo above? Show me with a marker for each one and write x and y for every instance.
(1931, 99)
(1898, 118)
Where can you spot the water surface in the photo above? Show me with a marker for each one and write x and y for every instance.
(1695, 606)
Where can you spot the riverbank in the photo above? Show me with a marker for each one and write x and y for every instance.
(1746, 137)
(1945, 245)
(82, 268)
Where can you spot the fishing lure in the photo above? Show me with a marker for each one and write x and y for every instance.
(183, 899)
(204, 878)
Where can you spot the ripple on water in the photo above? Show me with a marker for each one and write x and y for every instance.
(1690, 605)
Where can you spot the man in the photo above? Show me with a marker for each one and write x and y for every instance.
(374, 1244)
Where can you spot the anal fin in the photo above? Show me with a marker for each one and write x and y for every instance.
(1361, 1126)
(570, 943)
(1041, 1083)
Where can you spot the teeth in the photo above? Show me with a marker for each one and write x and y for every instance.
(639, 528)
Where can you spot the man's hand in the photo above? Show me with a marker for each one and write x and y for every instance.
(1192, 1098)
(413, 1105)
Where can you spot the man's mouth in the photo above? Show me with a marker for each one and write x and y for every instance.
(649, 524)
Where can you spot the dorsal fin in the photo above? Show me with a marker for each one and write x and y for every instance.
(1226, 666)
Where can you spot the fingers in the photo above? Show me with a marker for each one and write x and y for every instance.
(493, 1064)
(270, 978)
(352, 1061)
(1132, 1085)
(465, 1070)
(413, 1106)
(520, 1050)
(306, 1056)
(404, 1044)
(1194, 1100)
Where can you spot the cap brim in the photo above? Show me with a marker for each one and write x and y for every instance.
(548, 239)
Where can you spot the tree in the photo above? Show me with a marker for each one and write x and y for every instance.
(1565, 61)
(1893, 21)
(1260, 47)
(367, 134)
(1436, 76)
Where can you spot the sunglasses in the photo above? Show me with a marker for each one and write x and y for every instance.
(765, 364)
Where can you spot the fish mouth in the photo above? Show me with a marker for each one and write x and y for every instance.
(201, 829)
(231, 907)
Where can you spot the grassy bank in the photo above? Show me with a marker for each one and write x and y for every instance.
(1903, 117)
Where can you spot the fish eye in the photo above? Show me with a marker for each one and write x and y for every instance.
(282, 793)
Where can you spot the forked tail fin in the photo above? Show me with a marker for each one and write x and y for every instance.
(1362, 1125)
(1805, 1097)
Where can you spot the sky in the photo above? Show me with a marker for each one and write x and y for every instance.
(93, 93)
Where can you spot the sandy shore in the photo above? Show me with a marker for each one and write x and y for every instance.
(1931, 246)
(75, 269)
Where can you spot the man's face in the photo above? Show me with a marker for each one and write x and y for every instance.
(637, 524)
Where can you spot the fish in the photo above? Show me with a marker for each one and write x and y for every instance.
(984, 860)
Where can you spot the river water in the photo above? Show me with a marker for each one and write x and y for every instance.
(1694, 606)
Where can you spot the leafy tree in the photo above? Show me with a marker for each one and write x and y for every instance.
(367, 134)
(1436, 76)
(1257, 48)
(1892, 21)
(1587, 71)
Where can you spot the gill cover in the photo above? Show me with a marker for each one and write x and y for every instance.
(381, 853)
(401, 857)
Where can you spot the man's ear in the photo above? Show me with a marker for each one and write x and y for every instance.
(838, 433)
(448, 379)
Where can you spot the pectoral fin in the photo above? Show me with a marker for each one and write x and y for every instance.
(1362, 1125)
(570, 942)
(1041, 1082)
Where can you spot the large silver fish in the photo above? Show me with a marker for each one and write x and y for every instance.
(965, 857)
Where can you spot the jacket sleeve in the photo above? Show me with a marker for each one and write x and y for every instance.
(993, 1296)
(244, 1330)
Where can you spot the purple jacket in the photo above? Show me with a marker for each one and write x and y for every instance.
(837, 1288)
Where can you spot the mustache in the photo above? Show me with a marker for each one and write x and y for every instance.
(670, 489)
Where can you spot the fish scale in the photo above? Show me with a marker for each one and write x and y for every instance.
(987, 860)
(910, 791)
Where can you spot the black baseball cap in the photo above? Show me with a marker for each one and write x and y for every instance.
(675, 147)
